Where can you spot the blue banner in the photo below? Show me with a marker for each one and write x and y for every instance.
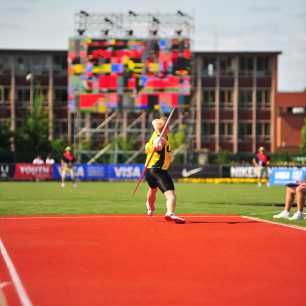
(96, 172)
(124, 172)
(100, 172)
(84, 172)
(284, 176)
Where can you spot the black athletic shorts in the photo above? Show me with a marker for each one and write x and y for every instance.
(159, 178)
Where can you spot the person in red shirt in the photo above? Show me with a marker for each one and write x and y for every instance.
(261, 161)
(67, 163)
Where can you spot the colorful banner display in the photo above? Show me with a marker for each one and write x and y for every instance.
(29, 172)
(149, 73)
(284, 176)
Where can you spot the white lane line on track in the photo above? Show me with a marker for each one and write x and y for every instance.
(24, 299)
(114, 217)
(276, 223)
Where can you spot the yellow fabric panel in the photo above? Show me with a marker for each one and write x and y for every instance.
(161, 159)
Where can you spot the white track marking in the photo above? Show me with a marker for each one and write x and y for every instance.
(113, 217)
(24, 299)
(276, 223)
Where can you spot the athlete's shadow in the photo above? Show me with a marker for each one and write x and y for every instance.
(223, 222)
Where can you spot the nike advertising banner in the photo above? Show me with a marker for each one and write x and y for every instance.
(208, 171)
(243, 171)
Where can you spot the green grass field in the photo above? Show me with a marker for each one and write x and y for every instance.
(41, 198)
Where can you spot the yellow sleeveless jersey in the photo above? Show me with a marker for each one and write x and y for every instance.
(161, 159)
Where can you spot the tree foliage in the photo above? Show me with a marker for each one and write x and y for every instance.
(178, 138)
(303, 140)
(32, 136)
(5, 136)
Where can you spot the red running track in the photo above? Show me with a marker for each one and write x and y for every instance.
(142, 261)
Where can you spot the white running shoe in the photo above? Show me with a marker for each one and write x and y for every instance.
(150, 209)
(176, 219)
(284, 214)
(63, 185)
(297, 216)
(150, 212)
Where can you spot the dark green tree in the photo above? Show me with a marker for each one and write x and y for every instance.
(32, 137)
(303, 142)
(223, 158)
(5, 143)
(5, 136)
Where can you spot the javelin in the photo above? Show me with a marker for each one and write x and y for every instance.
(153, 151)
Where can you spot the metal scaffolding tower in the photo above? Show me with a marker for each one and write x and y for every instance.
(131, 24)
(115, 125)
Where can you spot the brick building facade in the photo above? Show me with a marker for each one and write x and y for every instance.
(234, 97)
(291, 114)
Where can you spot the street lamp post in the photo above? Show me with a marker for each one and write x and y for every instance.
(30, 77)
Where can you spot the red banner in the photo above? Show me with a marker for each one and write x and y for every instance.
(33, 172)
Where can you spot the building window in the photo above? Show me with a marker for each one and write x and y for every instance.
(209, 67)
(263, 130)
(60, 128)
(226, 131)
(245, 99)
(209, 98)
(208, 129)
(244, 130)
(4, 65)
(40, 65)
(226, 98)
(4, 95)
(60, 64)
(22, 65)
(263, 98)
(263, 67)
(60, 96)
(246, 66)
(23, 96)
(226, 66)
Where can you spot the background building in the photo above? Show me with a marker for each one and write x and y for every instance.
(24, 72)
(291, 114)
(232, 107)
(236, 96)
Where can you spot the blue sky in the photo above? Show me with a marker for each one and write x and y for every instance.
(236, 25)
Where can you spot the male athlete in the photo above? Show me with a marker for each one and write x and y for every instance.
(261, 162)
(67, 163)
(157, 175)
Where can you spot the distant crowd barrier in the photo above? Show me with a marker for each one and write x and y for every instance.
(123, 172)
(84, 172)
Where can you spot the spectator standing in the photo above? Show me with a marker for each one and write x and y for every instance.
(261, 162)
(67, 164)
(50, 160)
(38, 160)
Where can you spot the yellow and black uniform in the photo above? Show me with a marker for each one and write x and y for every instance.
(157, 175)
